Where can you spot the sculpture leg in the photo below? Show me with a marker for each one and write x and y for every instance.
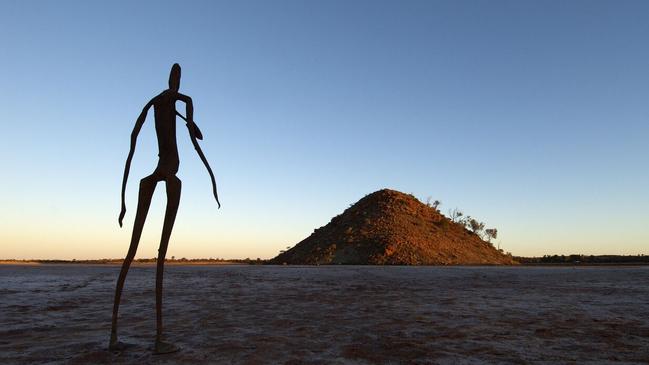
(173, 200)
(147, 187)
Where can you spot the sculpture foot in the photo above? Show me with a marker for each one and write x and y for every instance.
(117, 346)
(162, 347)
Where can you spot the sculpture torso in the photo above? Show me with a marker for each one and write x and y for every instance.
(165, 126)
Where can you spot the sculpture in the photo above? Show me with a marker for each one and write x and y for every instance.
(164, 106)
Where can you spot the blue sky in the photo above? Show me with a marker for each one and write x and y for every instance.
(530, 115)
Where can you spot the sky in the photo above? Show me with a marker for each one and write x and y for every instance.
(529, 115)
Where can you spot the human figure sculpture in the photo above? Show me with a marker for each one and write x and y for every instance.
(164, 106)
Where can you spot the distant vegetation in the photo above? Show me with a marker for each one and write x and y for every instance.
(172, 260)
(584, 259)
(546, 259)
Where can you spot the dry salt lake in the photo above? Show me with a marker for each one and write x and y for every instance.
(330, 314)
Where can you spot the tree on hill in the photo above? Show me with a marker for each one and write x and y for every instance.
(455, 215)
(475, 226)
(491, 233)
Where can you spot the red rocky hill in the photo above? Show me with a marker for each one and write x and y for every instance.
(393, 228)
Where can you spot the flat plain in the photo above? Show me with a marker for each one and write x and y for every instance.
(262, 314)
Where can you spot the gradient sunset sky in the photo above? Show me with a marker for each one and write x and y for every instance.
(530, 115)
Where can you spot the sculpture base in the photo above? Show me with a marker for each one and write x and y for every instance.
(162, 347)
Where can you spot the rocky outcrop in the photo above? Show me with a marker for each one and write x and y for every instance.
(388, 227)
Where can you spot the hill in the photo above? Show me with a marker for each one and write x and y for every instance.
(388, 227)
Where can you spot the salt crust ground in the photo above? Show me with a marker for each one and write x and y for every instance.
(331, 315)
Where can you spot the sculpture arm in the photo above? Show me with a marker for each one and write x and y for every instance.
(189, 113)
(194, 134)
(127, 168)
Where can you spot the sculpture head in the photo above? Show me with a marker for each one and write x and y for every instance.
(174, 77)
